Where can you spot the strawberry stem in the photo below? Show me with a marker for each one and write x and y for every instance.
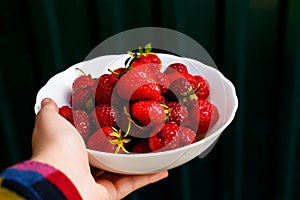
(167, 110)
(129, 118)
(198, 88)
(81, 71)
(190, 94)
(113, 72)
(128, 129)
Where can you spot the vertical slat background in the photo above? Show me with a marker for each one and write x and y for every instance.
(255, 43)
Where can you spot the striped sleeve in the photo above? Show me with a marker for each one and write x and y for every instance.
(36, 181)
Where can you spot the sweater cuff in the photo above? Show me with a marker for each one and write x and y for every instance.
(39, 181)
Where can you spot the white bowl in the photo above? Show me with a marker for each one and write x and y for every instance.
(222, 94)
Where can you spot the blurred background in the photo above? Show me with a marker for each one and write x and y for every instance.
(254, 43)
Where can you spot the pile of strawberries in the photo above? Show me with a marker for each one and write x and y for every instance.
(137, 108)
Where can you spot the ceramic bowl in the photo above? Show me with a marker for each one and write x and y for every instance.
(222, 94)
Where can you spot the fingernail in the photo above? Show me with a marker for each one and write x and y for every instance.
(44, 102)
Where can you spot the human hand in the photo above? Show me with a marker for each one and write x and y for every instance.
(57, 143)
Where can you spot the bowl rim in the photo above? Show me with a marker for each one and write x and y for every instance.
(216, 133)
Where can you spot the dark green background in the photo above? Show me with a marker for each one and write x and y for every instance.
(255, 43)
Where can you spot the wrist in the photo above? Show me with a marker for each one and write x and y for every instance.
(39, 178)
(79, 176)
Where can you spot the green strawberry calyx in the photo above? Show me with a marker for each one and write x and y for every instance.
(190, 94)
(120, 139)
(142, 51)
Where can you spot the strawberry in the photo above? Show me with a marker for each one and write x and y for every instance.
(176, 67)
(81, 95)
(203, 91)
(133, 129)
(94, 121)
(82, 98)
(138, 84)
(146, 57)
(108, 139)
(149, 113)
(67, 113)
(82, 123)
(150, 59)
(82, 81)
(182, 87)
(165, 139)
(178, 113)
(163, 81)
(98, 141)
(105, 87)
(204, 115)
(119, 140)
(106, 115)
(187, 136)
(116, 101)
(78, 118)
(183, 84)
(127, 124)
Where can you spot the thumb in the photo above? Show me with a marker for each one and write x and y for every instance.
(48, 104)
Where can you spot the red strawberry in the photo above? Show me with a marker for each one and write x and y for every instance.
(146, 57)
(183, 84)
(67, 113)
(150, 58)
(204, 115)
(106, 115)
(99, 141)
(82, 123)
(187, 136)
(165, 139)
(163, 81)
(82, 81)
(116, 101)
(138, 84)
(133, 129)
(149, 113)
(94, 121)
(127, 124)
(178, 113)
(78, 118)
(176, 67)
(183, 87)
(105, 87)
(203, 90)
(108, 139)
(82, 99)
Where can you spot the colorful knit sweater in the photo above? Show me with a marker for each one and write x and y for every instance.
(36, 181)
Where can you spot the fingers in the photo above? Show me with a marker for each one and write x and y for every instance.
(49, 104)
(128, 184)
(125, 185)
